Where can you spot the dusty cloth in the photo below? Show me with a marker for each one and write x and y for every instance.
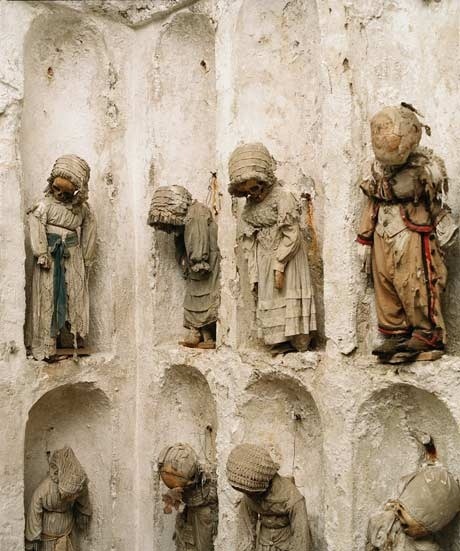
(273, 240)
(196, 526)
(250, 468)
(198, 253)
(75, 224)
(384, 533)
(50, 519)
(275, 521)
(404, 205)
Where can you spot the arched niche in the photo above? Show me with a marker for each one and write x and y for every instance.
(76, 415)
(66, 81)
(186, 413)
(385, 449)
(279, 413)
(278, 101)
(184, 127)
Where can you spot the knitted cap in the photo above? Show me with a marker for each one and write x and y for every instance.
(251, 160)
(396, 132)
(179, 459)
(169, 206)
(250, 468)
(66, 471)
(72, 168)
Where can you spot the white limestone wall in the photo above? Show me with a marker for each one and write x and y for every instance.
(128, 91)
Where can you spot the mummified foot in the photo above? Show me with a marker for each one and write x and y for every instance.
(192, 339)
(208, 342)
(389, 346)
(418, 343)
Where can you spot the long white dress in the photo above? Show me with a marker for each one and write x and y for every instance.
(75, 227)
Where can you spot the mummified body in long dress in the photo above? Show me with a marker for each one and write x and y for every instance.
(194, 488)
(276, 250)
(58, 504)
(272, 514)
(63, 241)
(195, 234)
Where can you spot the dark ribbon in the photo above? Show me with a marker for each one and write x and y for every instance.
(59, 252)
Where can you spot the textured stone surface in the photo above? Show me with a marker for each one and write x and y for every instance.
(139, 104)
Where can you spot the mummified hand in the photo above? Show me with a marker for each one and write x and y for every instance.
(364, 253)
(44, 262)
(172, 500)
(279, 280)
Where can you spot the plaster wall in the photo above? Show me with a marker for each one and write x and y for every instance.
(128, 92)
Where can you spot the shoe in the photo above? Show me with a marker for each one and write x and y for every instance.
(416, 344)
(389, 346)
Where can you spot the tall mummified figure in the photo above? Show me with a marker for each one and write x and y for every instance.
(427, 501)
(193, 489)
(405, 228)
(195, 235)
(63, 240)
(276, 250)
(272, 515)
(58, 504)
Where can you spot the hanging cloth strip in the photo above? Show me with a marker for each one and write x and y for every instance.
(59, 252)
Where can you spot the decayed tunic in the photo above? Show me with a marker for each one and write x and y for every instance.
(198, 247)
(77, 226)
(196, 526)
(399, 222)
(51, 519)
(273, 240)
(277, 521)
(384, 533)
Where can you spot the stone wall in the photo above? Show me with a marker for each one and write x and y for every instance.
(155, 93)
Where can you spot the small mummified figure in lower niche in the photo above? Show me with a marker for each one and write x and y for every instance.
(193, 488)
(60, 503)
(63, 241)
(405, 229)
(276, 251)
(272, 515)
(427, 501)
(195, 235)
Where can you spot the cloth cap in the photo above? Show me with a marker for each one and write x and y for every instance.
(72, 168)
(396, 132)
(251, 160)
(169, 206)
(250, 468)
(179, 459)
(431, 497)
(66, 471)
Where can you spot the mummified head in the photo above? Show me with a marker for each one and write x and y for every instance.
(169, 208)
(66, 471)
(68, 181)
(179, 466)
(396, 132)
(251, 171)
(250, 468)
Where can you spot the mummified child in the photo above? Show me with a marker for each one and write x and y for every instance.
(404, 227)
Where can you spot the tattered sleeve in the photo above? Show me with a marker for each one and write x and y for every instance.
(288, 226)
(34, 516)
(368, 215)
(88, 236)
(246, 527)
(37, 226)
(300, 531)
(196, 238)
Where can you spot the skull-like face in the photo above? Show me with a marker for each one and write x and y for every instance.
(63, 190)
(254, 189)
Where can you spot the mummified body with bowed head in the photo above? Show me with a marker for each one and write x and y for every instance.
(63, 241)
(405, 228)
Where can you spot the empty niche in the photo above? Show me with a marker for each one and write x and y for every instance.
(78, 416)
(184, 121)
(386, 449)
(281, 414)
(278, 102)
(65, 79)
(186, 413)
